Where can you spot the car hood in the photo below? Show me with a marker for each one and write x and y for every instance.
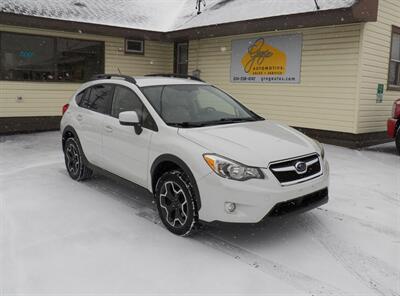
(252, 143)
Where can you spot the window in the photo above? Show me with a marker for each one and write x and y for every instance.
(39, 58)
(394, 67)
(99, 98)
(126, 100)
(195, 104)
(80, 96)
(153, 95)
(134, 46)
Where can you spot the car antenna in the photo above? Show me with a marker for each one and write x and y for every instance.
(316, 5)
(119, 71)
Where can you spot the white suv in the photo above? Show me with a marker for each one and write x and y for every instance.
(202, 154)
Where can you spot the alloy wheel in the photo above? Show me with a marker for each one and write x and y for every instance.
(174, 202)
(73, 161)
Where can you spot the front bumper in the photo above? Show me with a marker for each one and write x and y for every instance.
(256, 199)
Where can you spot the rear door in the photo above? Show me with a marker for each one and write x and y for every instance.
(124, 152)
(94, 106)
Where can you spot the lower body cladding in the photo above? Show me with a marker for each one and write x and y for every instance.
(250, 201)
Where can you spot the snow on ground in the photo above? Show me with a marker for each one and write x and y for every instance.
(163, 15)
(59, 236)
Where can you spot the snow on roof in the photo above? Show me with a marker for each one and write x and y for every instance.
(163, 15)
(153, 15)
(225, 11)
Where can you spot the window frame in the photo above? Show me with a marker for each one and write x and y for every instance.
(130, 51)
(395, 30)
(55, 40)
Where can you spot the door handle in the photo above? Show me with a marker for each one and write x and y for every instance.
(79, 117)
(108, 129)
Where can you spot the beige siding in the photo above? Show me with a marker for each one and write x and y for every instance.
(376, 42)
(326, 96)
(46, 99)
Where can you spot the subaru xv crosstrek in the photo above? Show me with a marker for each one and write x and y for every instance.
(202, 154)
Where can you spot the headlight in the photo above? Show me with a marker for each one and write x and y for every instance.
(321, 148)
(230, 169)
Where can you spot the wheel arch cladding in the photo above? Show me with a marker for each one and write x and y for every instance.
(166, 162)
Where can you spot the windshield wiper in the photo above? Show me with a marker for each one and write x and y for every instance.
(228, 121)
(186, 124)
(212, 122)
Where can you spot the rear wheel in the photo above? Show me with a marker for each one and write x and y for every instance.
(74, 161)
(398, 140)
(175, 203)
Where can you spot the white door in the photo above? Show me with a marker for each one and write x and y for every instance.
(126, 153)
(90, 116)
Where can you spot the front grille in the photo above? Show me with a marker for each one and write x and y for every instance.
(300, 204)
(287, 174)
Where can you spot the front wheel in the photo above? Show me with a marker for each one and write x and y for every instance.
(398, 140)
(175, 203)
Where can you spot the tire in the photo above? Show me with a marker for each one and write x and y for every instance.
(398, 140)
(176, 205)
(74, 163)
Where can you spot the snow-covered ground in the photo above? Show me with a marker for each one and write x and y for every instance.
(62, 237)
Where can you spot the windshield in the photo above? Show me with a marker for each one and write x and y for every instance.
(196, 105)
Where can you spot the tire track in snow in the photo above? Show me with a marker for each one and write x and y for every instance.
(367, 269)
(393, 233)
(35, 165)
(388, 197)
(297, 279)
(145, 209)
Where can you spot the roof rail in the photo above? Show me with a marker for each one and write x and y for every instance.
(109, 76)
(175, 76)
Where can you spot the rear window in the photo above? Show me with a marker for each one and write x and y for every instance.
(98, 98)
(79, 97)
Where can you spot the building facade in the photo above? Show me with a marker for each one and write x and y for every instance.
(348, 66)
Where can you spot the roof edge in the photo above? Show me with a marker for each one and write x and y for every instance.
(77, 27)
(361, 11)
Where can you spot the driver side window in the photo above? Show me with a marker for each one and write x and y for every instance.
(126, 100)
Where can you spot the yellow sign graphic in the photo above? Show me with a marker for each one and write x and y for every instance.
(263, 59)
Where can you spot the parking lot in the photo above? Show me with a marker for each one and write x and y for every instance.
(59, 236)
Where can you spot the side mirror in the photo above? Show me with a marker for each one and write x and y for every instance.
(131, 118)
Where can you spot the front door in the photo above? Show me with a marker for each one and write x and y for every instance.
(126, 153)
(181, 58)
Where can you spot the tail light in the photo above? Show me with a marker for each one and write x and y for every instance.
(396, 109)
(65, 108)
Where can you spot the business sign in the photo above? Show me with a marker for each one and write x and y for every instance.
(267, 59)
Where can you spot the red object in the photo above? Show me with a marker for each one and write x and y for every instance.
(391, 127)
(396, 109)
(65, 108)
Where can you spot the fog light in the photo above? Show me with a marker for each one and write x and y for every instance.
(230, 207)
